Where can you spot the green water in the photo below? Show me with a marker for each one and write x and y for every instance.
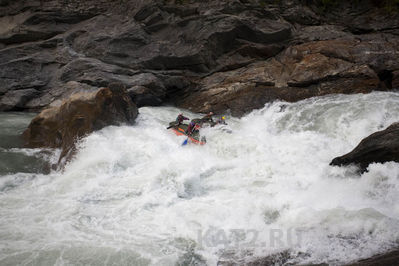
(13, 158)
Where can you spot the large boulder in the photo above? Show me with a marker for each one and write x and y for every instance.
(379, 147)
(301, 71)
(82, 113)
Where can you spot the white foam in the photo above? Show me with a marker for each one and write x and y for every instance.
(133, 192)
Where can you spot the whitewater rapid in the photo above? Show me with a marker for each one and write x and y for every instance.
(134, 196)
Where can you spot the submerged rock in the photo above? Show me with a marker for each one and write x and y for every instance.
(379, 147)
(388, 259)
(79, 115)
(231, 259)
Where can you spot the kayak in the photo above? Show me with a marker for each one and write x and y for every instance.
(180, 130)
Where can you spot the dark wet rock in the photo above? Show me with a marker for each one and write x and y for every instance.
(395, 80)
(82, 113)
(363, 17)
(388, 259)
(149, 90)
(15, 100)
(143, 96)
(174, 49)
(301, 14)
(23, 74)
(57, 93)
(379, 147)
(147, 100)
(248, 259)
(321, 33)
(150, 81)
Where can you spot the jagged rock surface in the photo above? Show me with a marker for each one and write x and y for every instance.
(301, 71)
(186, 53)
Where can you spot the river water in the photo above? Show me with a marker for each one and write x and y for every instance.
(134, 196)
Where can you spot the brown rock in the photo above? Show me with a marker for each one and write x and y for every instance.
(380, 147)
(79, 115)
(300, 72)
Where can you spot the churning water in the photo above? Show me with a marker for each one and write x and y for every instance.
(133, 195)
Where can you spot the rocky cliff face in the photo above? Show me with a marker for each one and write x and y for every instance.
(201, 55)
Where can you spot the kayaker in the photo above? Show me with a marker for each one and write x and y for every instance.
(192, 127)
(179, 120)
(222, 121)
(208, 118)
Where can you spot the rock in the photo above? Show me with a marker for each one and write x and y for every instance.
(388, 259)
(395, 80)
(94, 48)
(370, 16)
(147, 100)
(82, 113)
(149, 90)
(173, 49)
(379, 147)
(143, 96)
(321, 33)
(149, 81)
(299, 72)
(57, 93)
(301, 14)
(231, 259)
(24, 74)
(95, 73)
(15, 100)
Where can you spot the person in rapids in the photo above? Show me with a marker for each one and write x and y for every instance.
(179, 120)
(208, 118)
(192, 128)
(221, 121)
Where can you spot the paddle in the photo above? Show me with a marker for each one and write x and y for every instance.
(173, 124)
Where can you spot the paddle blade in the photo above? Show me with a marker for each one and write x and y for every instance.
(185, 142)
